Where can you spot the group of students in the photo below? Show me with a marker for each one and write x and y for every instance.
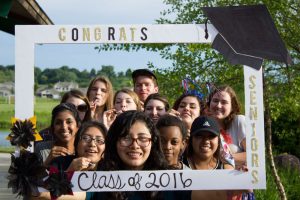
(137, 130)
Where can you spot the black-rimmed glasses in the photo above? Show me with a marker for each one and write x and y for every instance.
(128, 141)
(88, 139)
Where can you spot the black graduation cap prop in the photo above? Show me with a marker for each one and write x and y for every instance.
(247, 35)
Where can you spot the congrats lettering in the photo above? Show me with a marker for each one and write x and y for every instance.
(98, 34)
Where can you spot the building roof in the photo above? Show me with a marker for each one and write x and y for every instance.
(65, 84)
(7, 86)
(21, 12)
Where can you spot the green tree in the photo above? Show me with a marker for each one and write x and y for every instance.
(201, 62)
(37, 72)
(120, 74)
(42, 79)
(108, 71)
(279, 80)
(128, 73)
(66, 76)
(92, 73)
(7, 74)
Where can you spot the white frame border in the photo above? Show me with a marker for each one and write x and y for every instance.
(27, 36)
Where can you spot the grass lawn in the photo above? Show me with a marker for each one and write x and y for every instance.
(42, 110)
(7, 149)
(290, 180)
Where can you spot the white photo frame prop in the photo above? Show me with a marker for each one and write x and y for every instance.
(27, 36)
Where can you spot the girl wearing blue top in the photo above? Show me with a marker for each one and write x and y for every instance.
(133, 143)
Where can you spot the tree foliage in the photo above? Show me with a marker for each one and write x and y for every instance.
(282, 82)
(66, 74)
(7, 73)
(201, 62)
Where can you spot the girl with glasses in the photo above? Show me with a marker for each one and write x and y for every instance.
(133, 143)
(90, 146)
(78, 99)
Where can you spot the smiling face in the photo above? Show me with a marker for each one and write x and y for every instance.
(205, 145)
(220, 105)
(172, 143)
(144, 86)
(134, 156)
(65, 127)
(98, 94)
(189, 109)
(91, 145)
(124, 102)
(155, 109)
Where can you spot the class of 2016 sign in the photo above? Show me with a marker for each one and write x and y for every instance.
(26, 37)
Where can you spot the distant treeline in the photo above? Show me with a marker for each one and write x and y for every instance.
(65, 73)
(7, 74)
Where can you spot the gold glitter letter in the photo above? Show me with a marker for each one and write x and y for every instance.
(253, 113)
(97, 34)
(252, 82)
(254, 174)
(254, 144)
(86, 34)
(254, 160)
(122, 34)
(253, 129)
(61, 34)
(132, 33)
(253, 97)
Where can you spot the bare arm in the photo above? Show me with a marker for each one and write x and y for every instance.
(75, 196)
(227, 166)
(56, 151)
(240, 158)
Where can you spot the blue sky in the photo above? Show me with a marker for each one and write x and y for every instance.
(90, 12)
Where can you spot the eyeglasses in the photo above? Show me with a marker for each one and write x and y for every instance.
(88, 139)
(128, 141)
(82, 108)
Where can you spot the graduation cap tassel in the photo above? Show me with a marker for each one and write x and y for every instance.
(206, 31)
